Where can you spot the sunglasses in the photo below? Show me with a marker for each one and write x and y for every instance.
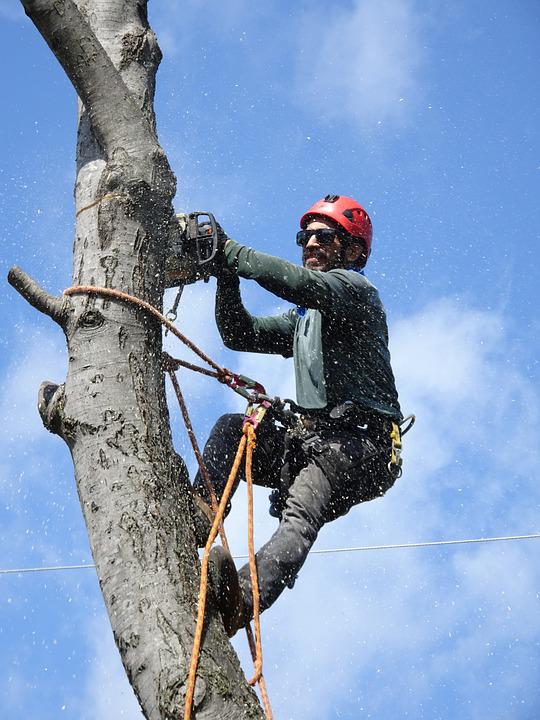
(324, 236)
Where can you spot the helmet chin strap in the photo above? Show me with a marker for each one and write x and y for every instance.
(346, 264)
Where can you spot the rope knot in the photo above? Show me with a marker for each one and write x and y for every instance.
(167, 362)
(225, 377)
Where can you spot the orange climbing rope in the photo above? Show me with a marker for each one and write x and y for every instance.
(251, 552)
(252, 418)
(203, 588)
(255, 643)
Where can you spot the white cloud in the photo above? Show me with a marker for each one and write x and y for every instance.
(203, 395)
(362, 61)
(195, 319)
(179, 27)
(358, 60)
(452, 369)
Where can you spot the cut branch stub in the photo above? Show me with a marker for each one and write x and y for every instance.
(50, 406)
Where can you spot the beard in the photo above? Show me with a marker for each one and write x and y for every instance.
(321, 260)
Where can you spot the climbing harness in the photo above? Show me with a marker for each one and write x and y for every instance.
(306, 428)
(258, 403)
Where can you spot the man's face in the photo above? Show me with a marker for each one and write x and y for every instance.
(322, 256)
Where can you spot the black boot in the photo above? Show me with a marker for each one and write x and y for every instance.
(227, 590)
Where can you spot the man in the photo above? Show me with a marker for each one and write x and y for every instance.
(340, 453)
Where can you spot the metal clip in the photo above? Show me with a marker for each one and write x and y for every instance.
(410, 420)
(248, 388)
(172, 314)
(255, 413)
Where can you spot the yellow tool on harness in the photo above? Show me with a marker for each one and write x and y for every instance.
(396, 461)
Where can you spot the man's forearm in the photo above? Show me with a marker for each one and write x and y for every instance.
(286, 280)
(235, 324)
(240, 330)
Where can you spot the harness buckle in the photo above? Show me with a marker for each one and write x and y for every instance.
(313, 443)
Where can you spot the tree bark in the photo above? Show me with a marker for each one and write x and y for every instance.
(111, 410)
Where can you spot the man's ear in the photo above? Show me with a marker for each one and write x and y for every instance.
(355, 254)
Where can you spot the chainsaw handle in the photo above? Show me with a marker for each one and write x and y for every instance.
(202, 236)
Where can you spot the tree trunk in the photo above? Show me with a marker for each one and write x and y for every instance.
(111, 411)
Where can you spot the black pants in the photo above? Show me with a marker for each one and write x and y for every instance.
(318, 477)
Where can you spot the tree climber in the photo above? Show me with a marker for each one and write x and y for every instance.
(348, 404)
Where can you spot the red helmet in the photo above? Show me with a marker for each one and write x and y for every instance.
(346, 212)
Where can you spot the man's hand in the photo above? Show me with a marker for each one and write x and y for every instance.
(215, 266)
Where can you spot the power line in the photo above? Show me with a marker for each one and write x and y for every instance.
(17, 571)
(330, 551)
(434, 543)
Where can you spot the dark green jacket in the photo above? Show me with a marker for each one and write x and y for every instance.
(337, 334)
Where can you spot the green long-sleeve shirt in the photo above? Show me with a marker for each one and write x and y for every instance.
(337, 334)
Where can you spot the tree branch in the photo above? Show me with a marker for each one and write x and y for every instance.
(51, 305)
(117, 121)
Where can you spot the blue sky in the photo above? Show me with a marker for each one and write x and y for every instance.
(429, 114)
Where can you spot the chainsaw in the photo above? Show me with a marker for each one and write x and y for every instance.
(194, 246)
